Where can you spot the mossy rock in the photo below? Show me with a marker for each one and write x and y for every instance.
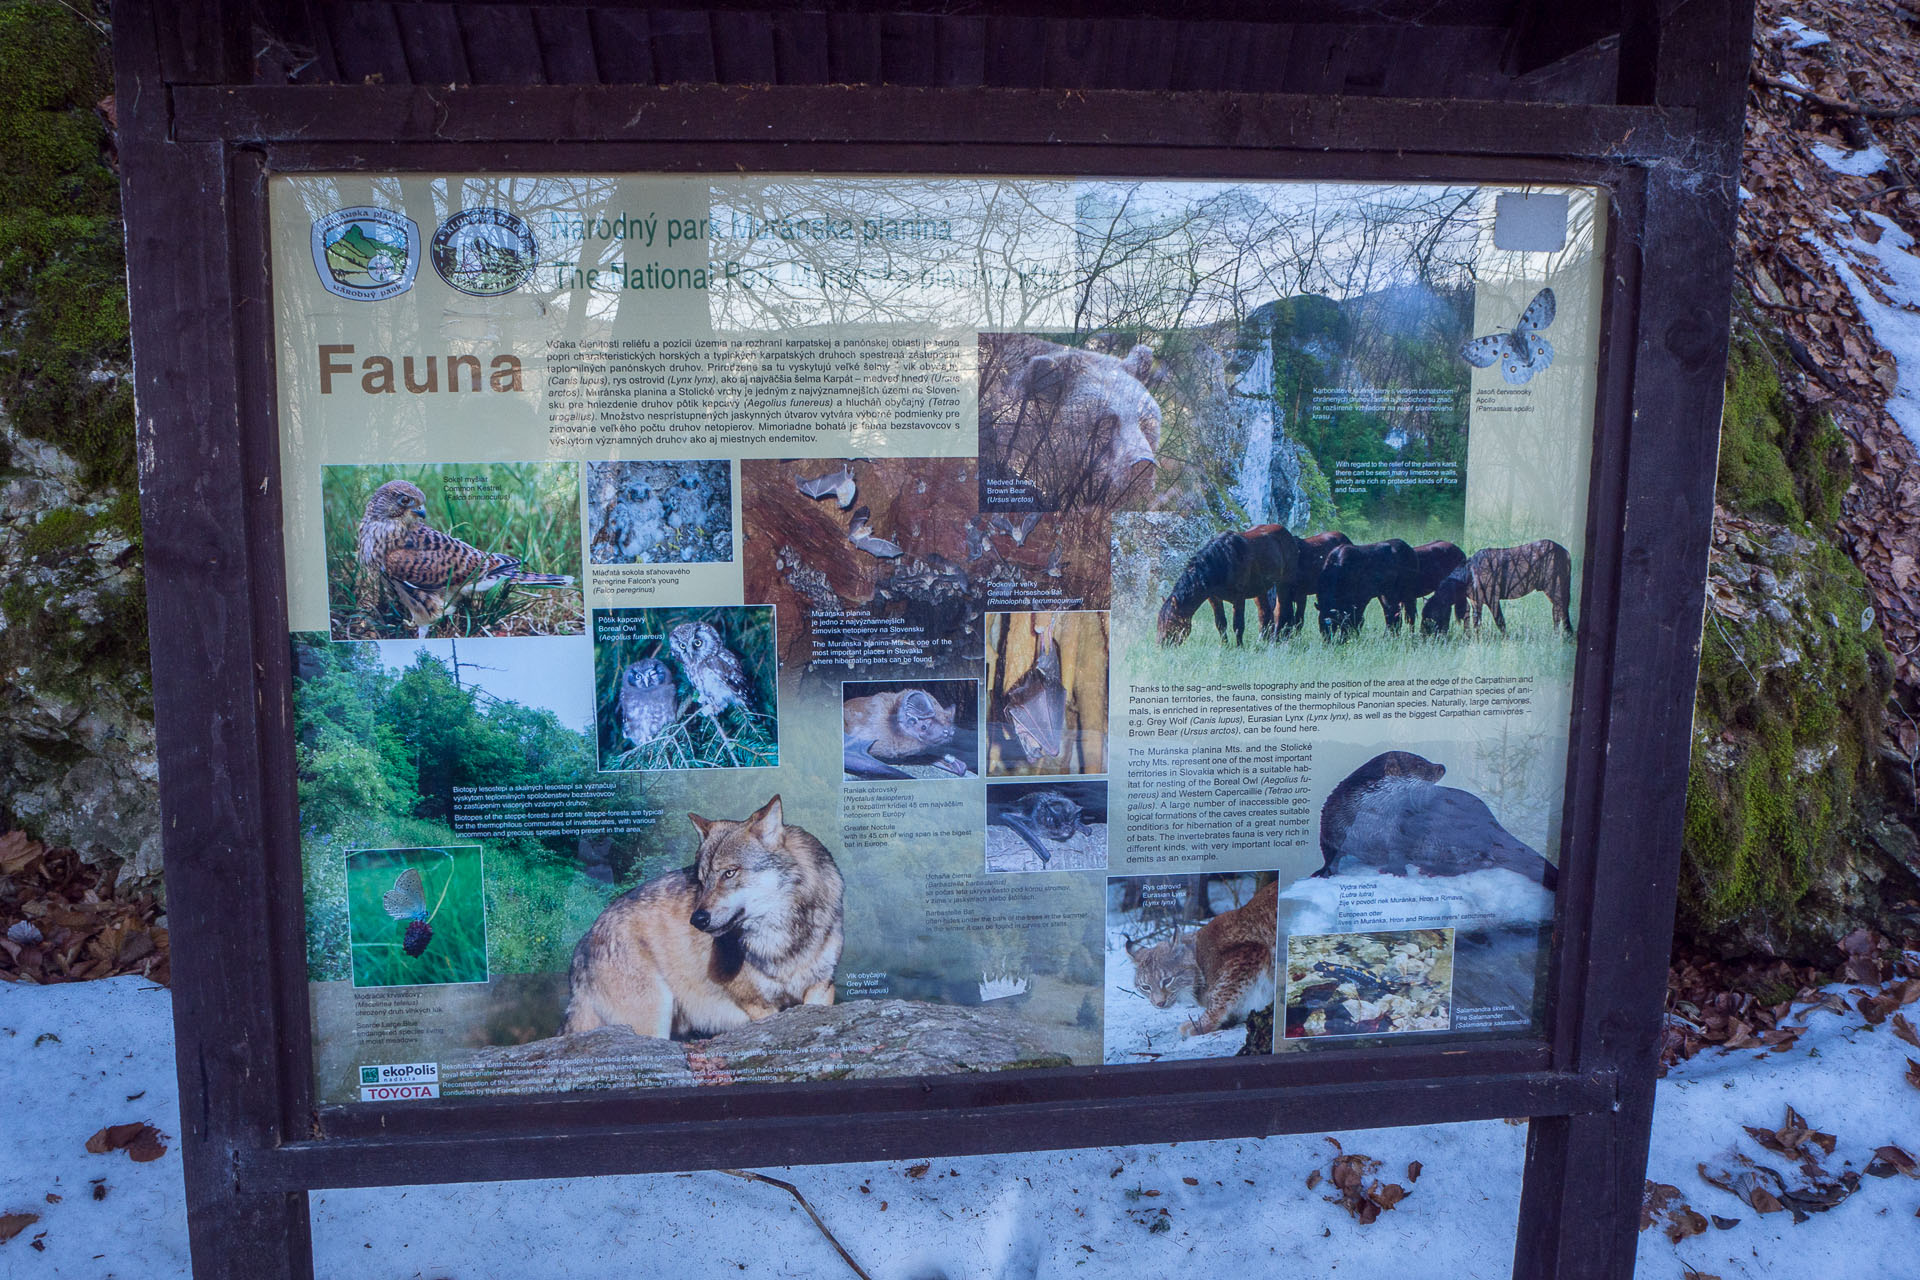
(1793, 684)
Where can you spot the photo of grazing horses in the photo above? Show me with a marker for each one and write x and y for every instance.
(1436, 561)
(1261, 563)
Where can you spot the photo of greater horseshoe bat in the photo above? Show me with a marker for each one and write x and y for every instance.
(1035, 708)
(1047, 687)
(1051, 826)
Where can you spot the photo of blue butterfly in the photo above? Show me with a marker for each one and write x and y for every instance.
(1523, 351)
(407, 900)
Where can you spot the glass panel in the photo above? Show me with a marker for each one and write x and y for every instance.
(608, 498)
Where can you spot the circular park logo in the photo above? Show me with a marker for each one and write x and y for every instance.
(366, 254)
(484, 252)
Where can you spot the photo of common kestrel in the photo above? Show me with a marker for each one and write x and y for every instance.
(426, 572)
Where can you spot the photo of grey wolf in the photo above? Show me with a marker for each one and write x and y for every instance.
(753, 927)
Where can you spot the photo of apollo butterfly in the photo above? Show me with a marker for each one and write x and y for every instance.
(407, 900)
(1522, 352)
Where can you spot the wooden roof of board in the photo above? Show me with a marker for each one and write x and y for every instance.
(1535, 50)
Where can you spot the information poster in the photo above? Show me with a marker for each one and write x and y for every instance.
(1187, 569)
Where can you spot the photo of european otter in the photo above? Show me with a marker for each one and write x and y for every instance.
(452, 550)
(685, 688)
(1189, 966)
(1369, 984)
(903, 730)
(1046, 693)
(1052, 826)
(1424, 837)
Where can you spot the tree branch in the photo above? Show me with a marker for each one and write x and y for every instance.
(1840, 105)
(794, 1191)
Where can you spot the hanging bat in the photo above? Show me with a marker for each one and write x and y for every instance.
(977, 541)
(1018, 531)
(1034, 708)
(857, 758)
(1043, 814)
(837, 482)
(860, 534)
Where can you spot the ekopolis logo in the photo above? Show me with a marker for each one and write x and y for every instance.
(398, 1081)
(366, 254)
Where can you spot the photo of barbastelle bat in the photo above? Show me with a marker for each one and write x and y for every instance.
(1047, 685)
(1055, 826)
(910, 729)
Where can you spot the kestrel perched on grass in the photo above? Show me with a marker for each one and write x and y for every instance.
(426, 570)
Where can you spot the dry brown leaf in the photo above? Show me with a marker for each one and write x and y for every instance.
(139, 1140)
(919, 1170)
(12, 1224)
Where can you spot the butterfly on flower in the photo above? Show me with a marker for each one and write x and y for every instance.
(407, 900)
(1521, 352)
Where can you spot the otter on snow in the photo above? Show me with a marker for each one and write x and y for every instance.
(1392, 815)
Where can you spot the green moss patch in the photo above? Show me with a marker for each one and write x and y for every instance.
(63, 294)
(1791, 685)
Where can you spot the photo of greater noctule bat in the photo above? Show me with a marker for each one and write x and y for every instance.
(1391, 814)
(893, 726)
(1043, 815)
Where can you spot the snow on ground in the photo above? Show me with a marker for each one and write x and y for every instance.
(1231, 1209)
(1804, 37)
(1895, 323)
(1858, 164)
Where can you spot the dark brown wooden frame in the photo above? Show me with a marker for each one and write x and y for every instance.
(196, 156)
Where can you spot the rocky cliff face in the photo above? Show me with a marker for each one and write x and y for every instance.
(76, 737)
(1792, 839)
(76, 708)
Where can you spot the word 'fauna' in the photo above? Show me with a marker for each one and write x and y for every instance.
(419, 374)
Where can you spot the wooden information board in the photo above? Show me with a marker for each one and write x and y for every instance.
(1247, 523)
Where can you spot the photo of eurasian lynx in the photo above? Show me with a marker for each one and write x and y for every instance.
(1234, 954)
(1165, 973)
(1204, 940)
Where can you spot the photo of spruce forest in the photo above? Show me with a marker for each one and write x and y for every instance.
(391, 737)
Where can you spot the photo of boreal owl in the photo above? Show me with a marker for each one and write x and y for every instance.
(686, 688)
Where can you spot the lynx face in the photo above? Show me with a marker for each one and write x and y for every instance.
(1165, 973)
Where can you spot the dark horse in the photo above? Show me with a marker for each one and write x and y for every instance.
(1360, 572)
(1436, 560)
(1507, 573)
(1259, 563)
(1306, 579)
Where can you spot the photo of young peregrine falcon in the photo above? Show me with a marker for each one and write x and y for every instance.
(445, 550)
